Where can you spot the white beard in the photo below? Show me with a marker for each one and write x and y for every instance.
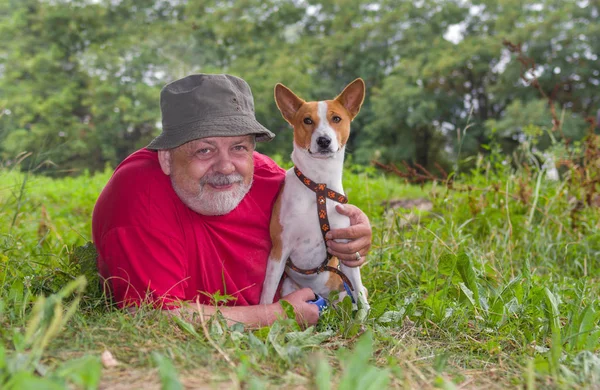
(207, 202)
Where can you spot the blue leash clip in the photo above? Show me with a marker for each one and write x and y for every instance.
(347, 288)
(320, 302)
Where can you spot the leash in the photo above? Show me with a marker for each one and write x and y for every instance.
(323, 193)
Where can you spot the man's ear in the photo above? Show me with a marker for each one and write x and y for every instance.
(352, 97)
(164, 159)
(287, 102)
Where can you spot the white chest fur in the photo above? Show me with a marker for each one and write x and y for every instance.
(300, 222)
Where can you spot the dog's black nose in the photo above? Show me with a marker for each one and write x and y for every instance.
(323, 142)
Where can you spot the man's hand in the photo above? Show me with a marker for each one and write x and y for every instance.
(306, 313)
(359, 236)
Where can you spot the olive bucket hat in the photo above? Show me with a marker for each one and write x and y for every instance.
(207, 105)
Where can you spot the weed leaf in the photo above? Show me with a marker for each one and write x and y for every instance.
(468, 293)
(167, 372)
(554, 319)
(84, 372)
(322, 375)
(308, 337)
(185, 326)
(447, 264)
(27, 381)
(392, 316)
(257, 345)
(467, 273)
(358, 374)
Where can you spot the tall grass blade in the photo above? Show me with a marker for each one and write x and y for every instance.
(554, 320)
(167, 372)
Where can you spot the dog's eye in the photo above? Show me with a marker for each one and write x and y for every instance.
(336, 119)
(308, 121)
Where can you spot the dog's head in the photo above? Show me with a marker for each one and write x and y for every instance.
(321, 128)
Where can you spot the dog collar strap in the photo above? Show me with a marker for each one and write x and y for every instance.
(322, 268)
(322, 192)
(320, 189)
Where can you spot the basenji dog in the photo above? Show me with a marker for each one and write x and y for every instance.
(304, 210)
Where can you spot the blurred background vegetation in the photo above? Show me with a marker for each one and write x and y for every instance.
(80, 79)
(496, 286)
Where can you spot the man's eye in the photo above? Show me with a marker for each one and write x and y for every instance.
(203, 151)
(240, 148)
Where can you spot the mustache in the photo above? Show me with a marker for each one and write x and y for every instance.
(220, 179)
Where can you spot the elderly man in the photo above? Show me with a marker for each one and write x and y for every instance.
(188, 217)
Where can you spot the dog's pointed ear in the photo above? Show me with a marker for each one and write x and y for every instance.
(352, 97)
(287, 102)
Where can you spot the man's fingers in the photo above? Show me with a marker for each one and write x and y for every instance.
(354, 263)
(306, 294)
(349, 259)
(351, 247)
(349, 233)
(347, 251)
(301, 295)
(359, 224)
(348, 210)
(354, 213)
(358, 236)
(306, 313)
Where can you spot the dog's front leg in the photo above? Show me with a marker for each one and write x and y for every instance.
(360, 293)
(275, 268)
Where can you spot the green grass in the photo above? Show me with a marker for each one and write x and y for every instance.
(496, 287)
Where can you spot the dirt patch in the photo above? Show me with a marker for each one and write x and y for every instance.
(417, 203)
(148, 379)
(396, 209)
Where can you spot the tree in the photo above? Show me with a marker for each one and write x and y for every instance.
(437, 86)
(43, 85)
(80, 79)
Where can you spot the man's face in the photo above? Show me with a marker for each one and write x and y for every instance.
(211, 175)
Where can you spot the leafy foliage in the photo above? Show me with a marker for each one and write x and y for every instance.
(494, 287)
(501, 273)
(47, 317)
(80, 80)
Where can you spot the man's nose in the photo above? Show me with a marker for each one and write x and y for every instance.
(225, 164)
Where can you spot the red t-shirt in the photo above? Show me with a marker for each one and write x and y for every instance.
(152, 247)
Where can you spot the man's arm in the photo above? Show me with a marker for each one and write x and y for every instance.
(258, 315)
(359, 235)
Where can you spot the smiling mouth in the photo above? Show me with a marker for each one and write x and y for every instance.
(224, 187)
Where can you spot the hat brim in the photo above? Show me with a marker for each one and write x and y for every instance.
(228, 126)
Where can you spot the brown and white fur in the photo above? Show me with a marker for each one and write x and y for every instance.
(321, 131)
